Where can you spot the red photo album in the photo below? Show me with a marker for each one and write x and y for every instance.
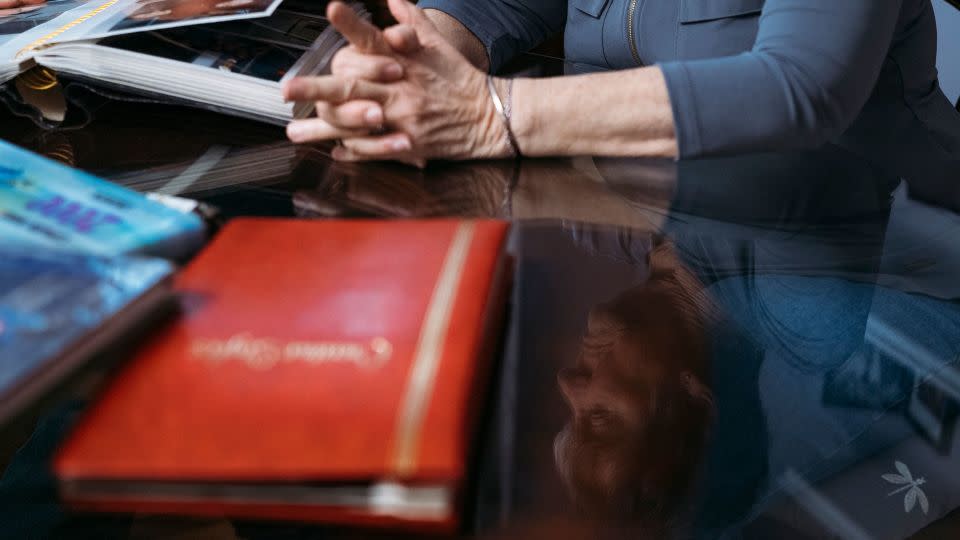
(325, 371)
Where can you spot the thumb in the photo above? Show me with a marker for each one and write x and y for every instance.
(407, 13)
(402, 39)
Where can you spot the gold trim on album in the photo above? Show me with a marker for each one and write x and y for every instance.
(43, 40)
(427, 355)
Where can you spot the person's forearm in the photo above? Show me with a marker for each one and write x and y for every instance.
(625, 113)
(461, 38)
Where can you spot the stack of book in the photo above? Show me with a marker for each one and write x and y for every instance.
(71, 281)
(319, 371)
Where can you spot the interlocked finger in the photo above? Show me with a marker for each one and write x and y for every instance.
(316, 129)
(350, 63)
(382, 146)
(334, 89)
(402, 38)
(359, 115)
(360, 33)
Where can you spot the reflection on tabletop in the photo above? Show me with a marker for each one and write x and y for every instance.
(753, 347)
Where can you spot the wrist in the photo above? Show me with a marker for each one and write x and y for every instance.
(523, 117)
(496, 137)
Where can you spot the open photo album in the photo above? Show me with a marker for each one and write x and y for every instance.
(227, 55)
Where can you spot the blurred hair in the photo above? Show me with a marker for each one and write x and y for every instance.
(645, 480)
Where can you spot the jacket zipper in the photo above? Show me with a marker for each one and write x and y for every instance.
(631, 35)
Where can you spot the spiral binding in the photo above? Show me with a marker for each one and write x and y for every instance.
(62, 151)
(39, 78)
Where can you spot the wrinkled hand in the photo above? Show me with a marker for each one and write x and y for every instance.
(402, 94)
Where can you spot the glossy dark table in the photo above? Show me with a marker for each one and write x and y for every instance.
(753, 347)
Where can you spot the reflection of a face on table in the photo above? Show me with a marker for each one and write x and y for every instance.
(638, 398)
(685, 394)
(179, 10)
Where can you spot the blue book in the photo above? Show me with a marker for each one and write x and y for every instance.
(46, 204)
(59, 310)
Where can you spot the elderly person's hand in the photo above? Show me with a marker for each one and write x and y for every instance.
(403, 94)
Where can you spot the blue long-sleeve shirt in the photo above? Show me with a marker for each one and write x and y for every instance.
(757, 75)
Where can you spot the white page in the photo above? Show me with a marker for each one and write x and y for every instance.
(19, 27)
(16, 21)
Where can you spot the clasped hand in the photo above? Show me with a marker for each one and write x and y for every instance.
(402, 94)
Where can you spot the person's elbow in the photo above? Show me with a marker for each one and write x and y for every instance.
(819, 100)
